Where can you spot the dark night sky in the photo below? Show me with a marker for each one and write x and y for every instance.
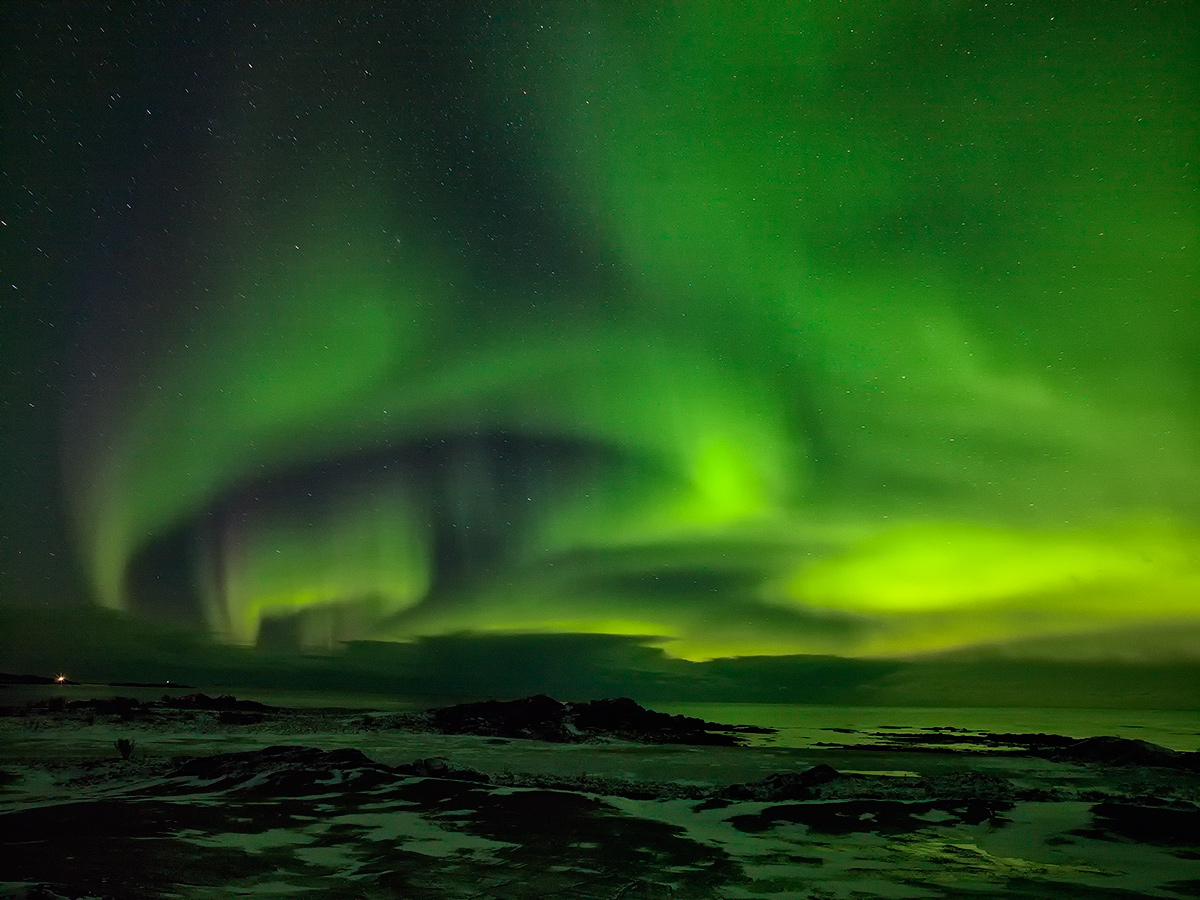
(651, 334)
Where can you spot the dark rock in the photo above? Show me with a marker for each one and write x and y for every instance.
(623, 718)
(439, 767)
(405, 721)
(289, 771)
(1118, 751)
(964, 740)
(538, 718)
(1035, 742)
(881, 816)
(784, 785)
(1169, 825)
(968, 786)
(546, 719)
(820, 774)
(839, 817)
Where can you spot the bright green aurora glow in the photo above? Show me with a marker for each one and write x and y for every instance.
(862, 331)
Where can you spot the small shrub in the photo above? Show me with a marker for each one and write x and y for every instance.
(125, 747)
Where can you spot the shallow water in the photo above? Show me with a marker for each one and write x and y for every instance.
(802, 726)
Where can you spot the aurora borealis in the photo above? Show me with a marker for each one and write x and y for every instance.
(861, 330)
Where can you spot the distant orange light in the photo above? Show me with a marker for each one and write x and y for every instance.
(61, 678)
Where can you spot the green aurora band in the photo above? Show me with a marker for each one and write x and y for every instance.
(820, 329)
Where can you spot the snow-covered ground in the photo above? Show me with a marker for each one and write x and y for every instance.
(202, 810)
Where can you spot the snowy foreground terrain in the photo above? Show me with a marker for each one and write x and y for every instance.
(209, 798)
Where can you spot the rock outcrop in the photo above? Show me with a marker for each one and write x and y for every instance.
(546, 719)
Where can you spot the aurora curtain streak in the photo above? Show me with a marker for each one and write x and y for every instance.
(859, 331)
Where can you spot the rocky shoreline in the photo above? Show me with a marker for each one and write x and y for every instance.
(538, 718)
(597, 799)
